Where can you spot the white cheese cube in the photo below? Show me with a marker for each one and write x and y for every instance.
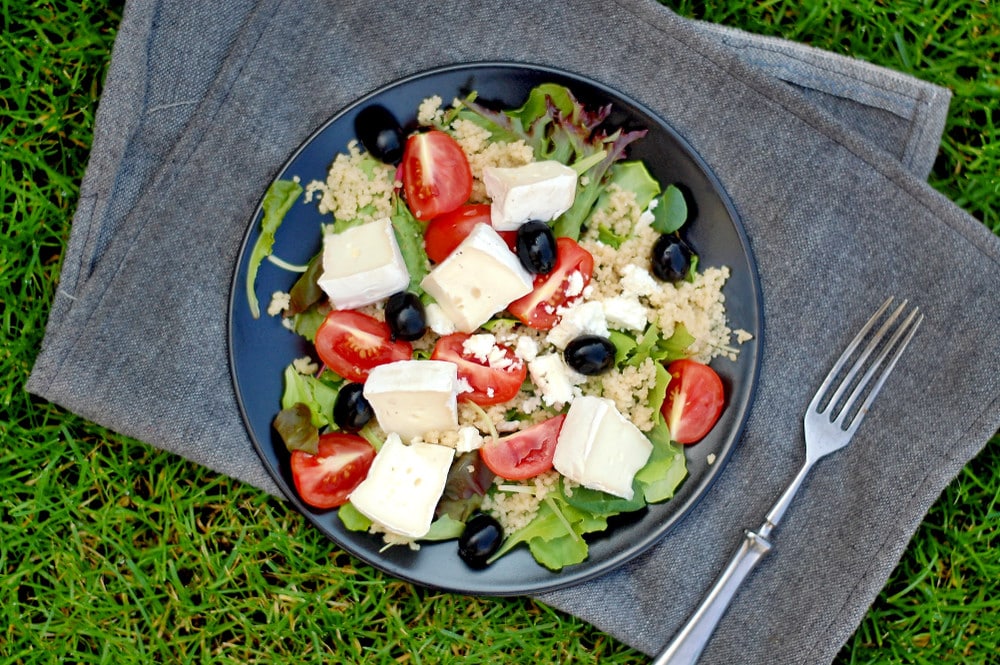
(413, 397)
(478, 279)
(437, 320)
(599, 448)
(403, 486)
(539, 191)
(582, 318)
(362, 265)
(623, 313)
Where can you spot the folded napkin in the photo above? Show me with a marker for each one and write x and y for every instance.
(823, 156)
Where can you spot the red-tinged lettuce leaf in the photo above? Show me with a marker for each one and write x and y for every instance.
(306, 291)
(467, 484)
(295, 427)
(557, 126)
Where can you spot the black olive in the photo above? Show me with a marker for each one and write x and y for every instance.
(351, 411)
(380, 134)
(480, 539)
(404, 314)
(590, 354)
(536, 247)
(671, 258)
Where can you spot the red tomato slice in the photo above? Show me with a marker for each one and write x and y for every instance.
(490, 385)
(351, 344)
(436, 174)
(694, 400)
(538, 308)
(326, 479)
(524, 454)
(445, 232)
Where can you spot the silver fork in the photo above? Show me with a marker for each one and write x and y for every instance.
(830, 422)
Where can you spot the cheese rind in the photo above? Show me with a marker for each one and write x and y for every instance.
(538, 191)
(362, 265)
(413, 397)
(403, 486)
(599, 448)
(478, 279)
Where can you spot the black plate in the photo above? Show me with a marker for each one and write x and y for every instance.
(260, 349)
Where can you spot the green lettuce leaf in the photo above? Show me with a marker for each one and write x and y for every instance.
(278, 200)
(319, 396)
(410, 238)
(352, 518)
(445, 527)
(671, 212)
(666, 467)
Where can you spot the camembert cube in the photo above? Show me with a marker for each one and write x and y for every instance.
(412, 397)
(599, 448)
(538, 191)
(403, 486)
(478, 279)
(362, 265)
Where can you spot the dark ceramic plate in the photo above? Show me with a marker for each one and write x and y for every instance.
(261, 348)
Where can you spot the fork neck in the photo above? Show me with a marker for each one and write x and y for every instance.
(781, 505)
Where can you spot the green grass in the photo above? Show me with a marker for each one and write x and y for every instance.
(111, 551)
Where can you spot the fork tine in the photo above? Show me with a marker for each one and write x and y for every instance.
(905, 331)
(859, 364)
(844, 357)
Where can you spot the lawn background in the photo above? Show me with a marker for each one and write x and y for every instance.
(113, 552)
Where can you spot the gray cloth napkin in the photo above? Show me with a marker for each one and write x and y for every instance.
(823, 156)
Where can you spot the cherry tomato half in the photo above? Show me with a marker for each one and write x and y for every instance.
(694, 400)
(445, 232)
(524, 454)
(490, 385)
(538, 308)
(351, 344)
(326, 479)
(436, 174)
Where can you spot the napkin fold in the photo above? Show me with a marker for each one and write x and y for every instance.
(823, 156)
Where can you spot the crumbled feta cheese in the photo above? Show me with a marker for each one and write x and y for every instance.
(526, 348)
(469, 439)
(574, 284)
(624, 313)
(551, 376)
(637, 281)
(479, 346)
(582, 318)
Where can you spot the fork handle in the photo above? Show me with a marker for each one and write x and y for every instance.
(692, 638)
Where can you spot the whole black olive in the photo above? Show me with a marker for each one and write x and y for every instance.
(404, 314)
(480, 539)
(351, 411)
(536, 247)
(671, 258)
(590, 354)
(380, 134)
